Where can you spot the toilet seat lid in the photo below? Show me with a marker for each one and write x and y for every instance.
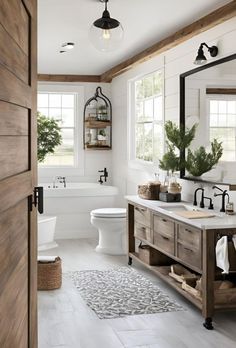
(109, 212)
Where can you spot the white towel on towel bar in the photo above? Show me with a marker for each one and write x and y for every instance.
(222, 258)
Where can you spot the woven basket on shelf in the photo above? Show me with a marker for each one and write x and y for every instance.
(49, 275)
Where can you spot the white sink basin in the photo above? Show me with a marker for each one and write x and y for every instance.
(185, 207)
(179, 207)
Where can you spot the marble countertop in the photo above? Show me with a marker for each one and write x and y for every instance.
(219, 221)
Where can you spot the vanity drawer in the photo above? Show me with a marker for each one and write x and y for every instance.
(163, 226)
(189, 254)
(164, 242)
(190, 236)
(142, 232)
(142, 216)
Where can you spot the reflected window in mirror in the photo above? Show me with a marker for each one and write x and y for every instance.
(222, 123)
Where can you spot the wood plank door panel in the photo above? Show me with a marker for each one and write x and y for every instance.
(18, 242)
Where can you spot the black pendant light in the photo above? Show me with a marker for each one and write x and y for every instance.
(106, 33)
(201, 58)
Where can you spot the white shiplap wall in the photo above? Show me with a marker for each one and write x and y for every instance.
(175, 62)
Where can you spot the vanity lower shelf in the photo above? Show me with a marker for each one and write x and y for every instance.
(162, 272)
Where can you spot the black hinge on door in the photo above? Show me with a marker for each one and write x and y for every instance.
(37, 199)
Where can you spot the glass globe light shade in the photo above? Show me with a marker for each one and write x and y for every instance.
(106, 40)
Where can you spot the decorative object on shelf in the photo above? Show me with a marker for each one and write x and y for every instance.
(180, 273)
(174, 187)
(201, 58)
(49, 136)
(106, 33)
(229, 210)
(150, 190)
(148, 254)
(169, 197)
(97, 122)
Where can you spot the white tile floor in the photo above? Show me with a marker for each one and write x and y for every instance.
(66, 322)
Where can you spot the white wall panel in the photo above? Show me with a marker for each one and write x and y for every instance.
(175, 62)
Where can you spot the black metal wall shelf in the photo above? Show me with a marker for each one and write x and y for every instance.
(98, 122)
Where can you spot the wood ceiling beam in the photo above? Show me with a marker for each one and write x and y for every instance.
(205, 23)
(69, 78)
(229, 91)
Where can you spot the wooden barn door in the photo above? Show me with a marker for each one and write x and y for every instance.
(18, 252)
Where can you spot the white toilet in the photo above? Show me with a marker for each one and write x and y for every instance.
(111, 225)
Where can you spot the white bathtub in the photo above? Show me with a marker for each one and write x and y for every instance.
(82, 189)
(72, 206)
(46, 232)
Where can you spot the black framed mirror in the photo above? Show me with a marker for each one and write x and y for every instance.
(208, 98)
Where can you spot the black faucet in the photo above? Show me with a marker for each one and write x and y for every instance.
(202, 205)
(195, 197)
(211, 206)
(60, 179)
(223, 194)
(104, 175)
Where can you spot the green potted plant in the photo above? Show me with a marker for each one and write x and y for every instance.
(198, 161)
(49, 136)
(178, 139)
(102, 134)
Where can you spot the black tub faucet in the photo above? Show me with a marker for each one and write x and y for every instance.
(223, 194)
(104, 175)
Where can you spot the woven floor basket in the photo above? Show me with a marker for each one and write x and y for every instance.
(49, 275)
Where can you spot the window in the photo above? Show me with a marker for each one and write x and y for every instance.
(61, 107)
(65, 104)
(147, 118)
(222, 124)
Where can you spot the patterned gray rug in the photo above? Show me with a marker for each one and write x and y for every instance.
(120, 292)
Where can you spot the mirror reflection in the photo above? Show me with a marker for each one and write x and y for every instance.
(210, 101)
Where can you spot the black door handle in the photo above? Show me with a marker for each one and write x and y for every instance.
(38, 198)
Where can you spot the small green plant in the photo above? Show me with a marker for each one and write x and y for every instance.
(170, 161)
(49, 136)
(178, 139)
(199, 161)
(102, 132)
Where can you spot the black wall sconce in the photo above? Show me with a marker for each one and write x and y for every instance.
(200, 59)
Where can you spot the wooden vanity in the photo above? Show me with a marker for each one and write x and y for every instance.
(178, 240)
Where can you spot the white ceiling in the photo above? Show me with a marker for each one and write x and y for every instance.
(145, 22)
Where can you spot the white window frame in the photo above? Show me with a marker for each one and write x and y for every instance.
(218, 97)
(78, 167)
(134, 162)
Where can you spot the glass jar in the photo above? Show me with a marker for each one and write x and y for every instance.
(229, 209)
